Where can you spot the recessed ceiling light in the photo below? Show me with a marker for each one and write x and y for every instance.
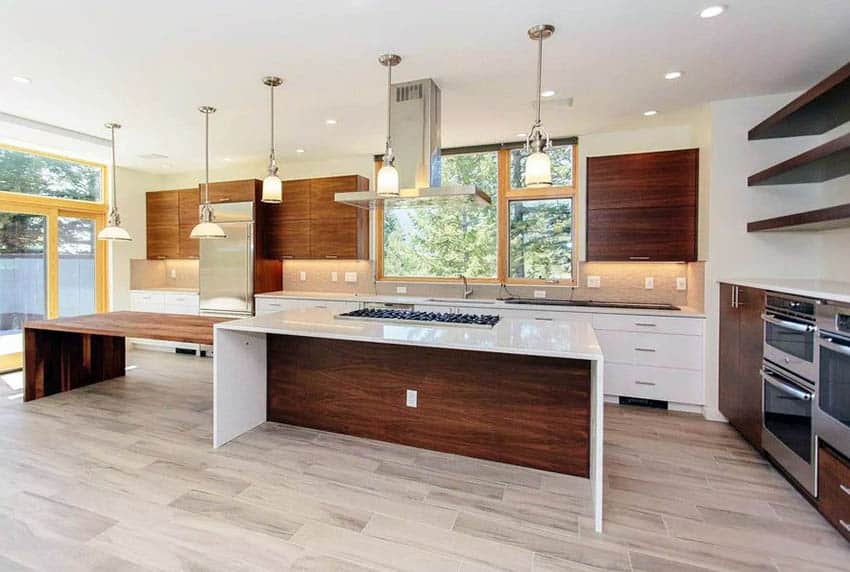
(330, 121)
(650, 113)
(547, 93)
(712, 11)
(299, 150)
(21, 79)
(673, 75)
(227, 159)
(523, 135)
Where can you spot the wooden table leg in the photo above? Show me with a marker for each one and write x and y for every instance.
(62, 361)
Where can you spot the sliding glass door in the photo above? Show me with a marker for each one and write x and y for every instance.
(77, 266)
(23, 281)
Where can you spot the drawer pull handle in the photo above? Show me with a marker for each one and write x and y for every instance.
(331, 256)
(544, 319)
(845, 525)
(645, 324)
(845, 488)
(650, 350)
(287, 256)
(325, 307)
(645, 382)
(638, 257)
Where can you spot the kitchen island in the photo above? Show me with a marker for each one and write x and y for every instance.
(524, 392)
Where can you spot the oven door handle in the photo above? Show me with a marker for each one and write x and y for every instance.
(829, 344)
(785, 387)
(786, 324)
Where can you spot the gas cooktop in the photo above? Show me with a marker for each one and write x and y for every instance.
(421, 318)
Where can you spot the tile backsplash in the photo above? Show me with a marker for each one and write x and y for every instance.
(618, 281)
(146, 274)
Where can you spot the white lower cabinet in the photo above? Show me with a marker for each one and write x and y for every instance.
(187, 303)
(659, 383)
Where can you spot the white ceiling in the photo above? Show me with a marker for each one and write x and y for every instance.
(150, 64)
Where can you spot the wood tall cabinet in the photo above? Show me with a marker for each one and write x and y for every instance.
(163, 221)
(741, 353)
(643, 206)
(188, 202)
(309, 224)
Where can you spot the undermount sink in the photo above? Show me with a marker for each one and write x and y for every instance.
(459, 301)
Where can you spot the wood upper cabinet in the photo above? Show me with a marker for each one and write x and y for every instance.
(643, 206)
(188, 218)
(740, 359)
(162, 210)
(309, 224)
(234, 191)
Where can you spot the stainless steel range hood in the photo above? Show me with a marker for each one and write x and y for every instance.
(415, 132)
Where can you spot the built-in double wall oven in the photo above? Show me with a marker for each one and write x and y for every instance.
(789, 381)
(832, 419)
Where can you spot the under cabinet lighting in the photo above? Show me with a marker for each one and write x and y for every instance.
(21, 79)
(299, 150)
(330, 121)
(547, 93)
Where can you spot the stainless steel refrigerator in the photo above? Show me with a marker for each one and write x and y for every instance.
(226, 277)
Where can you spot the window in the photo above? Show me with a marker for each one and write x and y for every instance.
(541, 239)
(561, 157)
(524, 236)
(446, 237)
(34, 174)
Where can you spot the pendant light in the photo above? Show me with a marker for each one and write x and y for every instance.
(387, 175)
(272, 185)
(207, 228)
(113, 230)
(538, 167)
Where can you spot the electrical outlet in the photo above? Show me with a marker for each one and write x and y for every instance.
(412, 398)
(351, 277)
(681, 283)
(334, 276)
(649, 283)
(173, 273)
(540, 293)
(594, 282)
(401, 289)
(302, 276)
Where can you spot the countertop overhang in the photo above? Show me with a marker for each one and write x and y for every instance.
(560, 339)
(832, 290)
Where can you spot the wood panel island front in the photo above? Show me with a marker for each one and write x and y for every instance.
(525, 392)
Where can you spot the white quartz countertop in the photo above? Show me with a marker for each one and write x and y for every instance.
(822, 289)
(481, 304)
(561, 339)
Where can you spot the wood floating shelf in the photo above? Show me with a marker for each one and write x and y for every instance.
(821, 108)
(821, 219)
(828, 161)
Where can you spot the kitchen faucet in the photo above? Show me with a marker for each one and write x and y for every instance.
(467, 291)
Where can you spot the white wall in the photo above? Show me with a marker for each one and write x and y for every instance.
(734, 253)
(132, 186)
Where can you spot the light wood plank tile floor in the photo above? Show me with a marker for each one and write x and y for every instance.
(121, 476)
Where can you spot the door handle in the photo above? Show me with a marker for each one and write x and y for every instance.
(845, 488)
(844, 525)
(806, 328)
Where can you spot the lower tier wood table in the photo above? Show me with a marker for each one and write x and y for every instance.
(67, 353)
(525, 392)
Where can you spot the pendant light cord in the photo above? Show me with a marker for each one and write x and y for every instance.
(207, 159)
(389, 107)
(271, 99)
(114, 174)
(539, 74)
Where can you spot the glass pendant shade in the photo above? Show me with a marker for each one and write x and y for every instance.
(272, 189)
(388, 181)
(114, 233)
(538, 170)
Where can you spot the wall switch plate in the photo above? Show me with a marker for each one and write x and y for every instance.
(351, 277)
(401, 289)
(540, 293)
(173, 273)
(302, 276)
(649, 282)
(412, 398)
(594, 282)
(681, 283)
(334, 276)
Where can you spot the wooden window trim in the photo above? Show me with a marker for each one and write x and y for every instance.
(52, 208)
(506, 194)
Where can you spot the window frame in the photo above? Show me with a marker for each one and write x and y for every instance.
(53, 208)
(505, 195)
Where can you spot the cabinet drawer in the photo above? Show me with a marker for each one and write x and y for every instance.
(269, 305)
(147, 302)
(649, 324)
(182, 304)
(665, 384)
(657, 350)
(834, 489)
